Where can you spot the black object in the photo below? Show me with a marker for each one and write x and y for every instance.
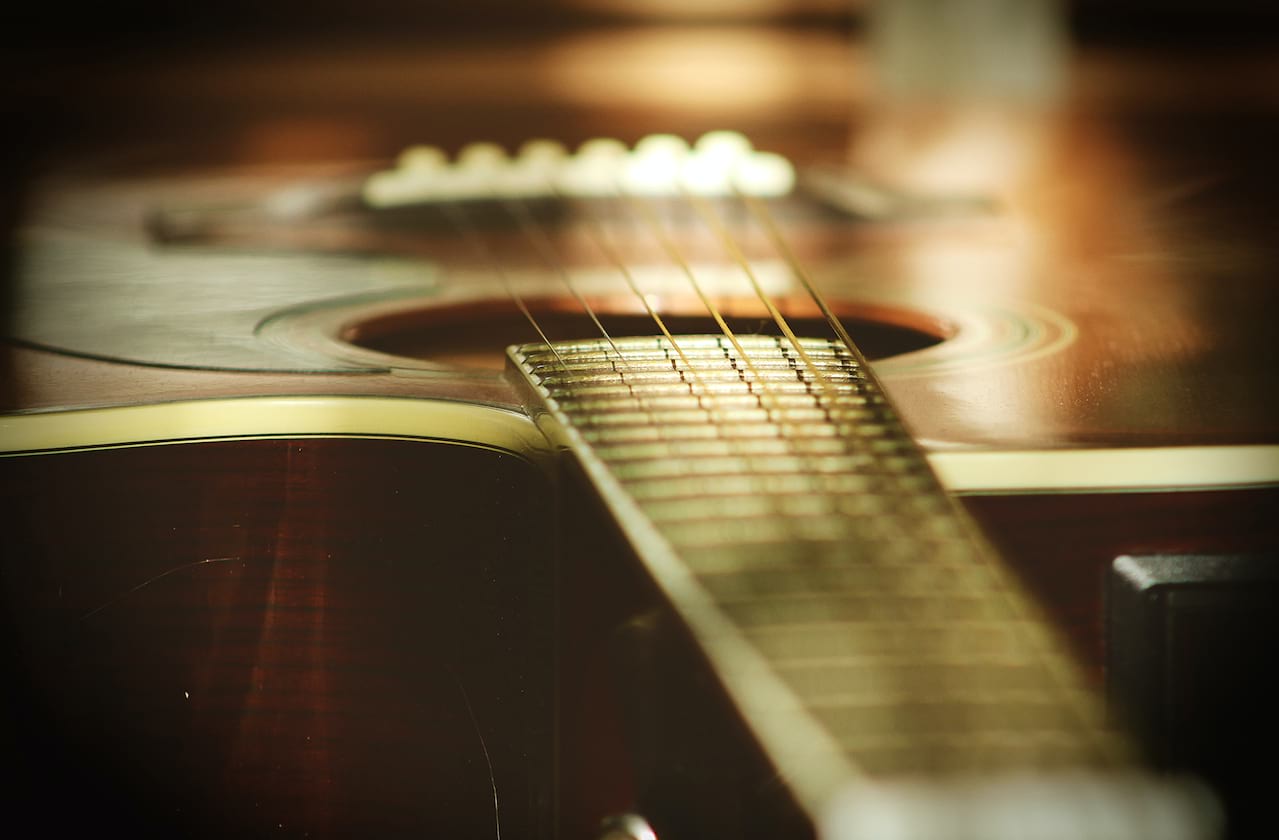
(1190, 660)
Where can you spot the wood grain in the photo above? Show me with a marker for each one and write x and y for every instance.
(361, 593)
(316, 638)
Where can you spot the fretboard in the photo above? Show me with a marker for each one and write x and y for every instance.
(848, 606)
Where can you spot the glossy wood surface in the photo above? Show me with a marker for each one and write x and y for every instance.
(298, 638)
(1139, 211)
(1118, 293)
(1063, 544)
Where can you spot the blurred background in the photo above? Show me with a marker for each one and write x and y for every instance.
(145, 83)
(1138, 135)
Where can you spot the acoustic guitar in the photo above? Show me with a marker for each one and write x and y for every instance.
(300, 547)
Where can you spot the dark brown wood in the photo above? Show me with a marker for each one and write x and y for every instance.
(646, 726)
(319, 638)
(1062, 545)
(1141, 210)
(1111, 310)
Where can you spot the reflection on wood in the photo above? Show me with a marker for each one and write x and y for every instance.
(184, 617)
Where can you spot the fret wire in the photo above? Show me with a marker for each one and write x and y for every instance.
(1057, 667)
(760, 212)
(865, 606)
(596, 231)
(679, 260)
(602, 241)
(758, 373)
(655, 227)
(708, 214)
(550, 255)
(805, 752)
(649, 216)
(715, 223)
(784, 526)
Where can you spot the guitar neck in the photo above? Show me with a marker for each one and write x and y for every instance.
(856, 620)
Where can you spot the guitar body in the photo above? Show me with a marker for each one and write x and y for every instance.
(335, 633)
(286, 555)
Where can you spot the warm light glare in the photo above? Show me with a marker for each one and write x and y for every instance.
(716, 69)
(737, 9)
(968, 150)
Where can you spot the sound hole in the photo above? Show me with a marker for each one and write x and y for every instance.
(475, 334)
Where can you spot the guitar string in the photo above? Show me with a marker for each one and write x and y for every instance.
(651, 218)
(597, 235)
(765, 395)
(701, 206)
(547, 250)
(459, 219)
(1054, 666)
(711, 218)
(824, 381)
(1038, 641)
(1008, 589)
(596, 232)
(645, 212)
(759, 211)
(880, 528)
(810, 460)
(549, 254)
(887, 529)
(790, 774)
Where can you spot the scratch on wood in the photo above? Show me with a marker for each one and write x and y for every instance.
(470, 710)
(91, 613)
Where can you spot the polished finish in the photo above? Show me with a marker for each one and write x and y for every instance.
(1107, 282)
(1062, 544)
(1068, 317)
(311, 637)
(855, 620)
